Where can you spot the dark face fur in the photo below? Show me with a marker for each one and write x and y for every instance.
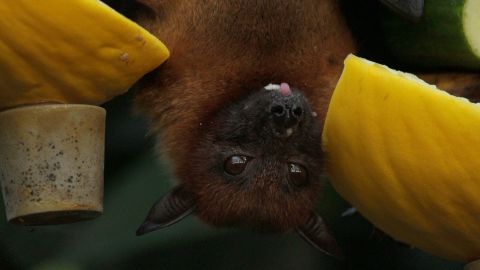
(258, 163)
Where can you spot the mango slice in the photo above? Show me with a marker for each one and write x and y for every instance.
(407, 155)
(78, 51)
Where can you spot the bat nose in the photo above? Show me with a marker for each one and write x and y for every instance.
(286, 113)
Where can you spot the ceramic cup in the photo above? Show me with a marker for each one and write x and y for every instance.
(51, 163)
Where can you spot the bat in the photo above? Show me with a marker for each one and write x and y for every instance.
(411, 10)
(239, 109)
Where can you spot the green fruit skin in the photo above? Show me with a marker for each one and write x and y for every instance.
(436, 41)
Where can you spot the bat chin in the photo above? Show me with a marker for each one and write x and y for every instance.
(257, 226)
(284, 133)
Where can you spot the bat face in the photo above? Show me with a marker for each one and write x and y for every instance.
(255, 163)
(258, 164)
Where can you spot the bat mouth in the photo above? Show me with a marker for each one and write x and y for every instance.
(285, 133)
(286, 109)
(288, 133)
(283, 88)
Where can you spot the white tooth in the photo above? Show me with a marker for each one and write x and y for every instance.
(272, 87)
(289, 132)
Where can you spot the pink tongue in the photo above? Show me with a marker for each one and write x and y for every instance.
(285, 89)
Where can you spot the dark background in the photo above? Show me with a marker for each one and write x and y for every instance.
(134, 179)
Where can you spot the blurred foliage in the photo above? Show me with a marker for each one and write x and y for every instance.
(134, 179)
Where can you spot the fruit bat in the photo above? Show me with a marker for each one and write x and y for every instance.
(239, 109)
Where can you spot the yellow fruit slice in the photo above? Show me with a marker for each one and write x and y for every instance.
(77, 51)
(407, 155)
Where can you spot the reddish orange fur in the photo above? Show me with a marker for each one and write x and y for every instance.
(223, 50)
(231, 205)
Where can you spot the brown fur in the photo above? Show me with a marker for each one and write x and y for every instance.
(259, 203)
(459, 84)
(222, 51)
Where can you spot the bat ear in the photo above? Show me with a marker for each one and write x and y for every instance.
(316, 233)
(409, 9)
(169, 209)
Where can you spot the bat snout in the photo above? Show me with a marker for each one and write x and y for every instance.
(286, 112)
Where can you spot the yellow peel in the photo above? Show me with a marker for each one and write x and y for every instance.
(407, 155)
(78, 51)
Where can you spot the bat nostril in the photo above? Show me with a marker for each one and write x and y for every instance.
(297, 112)
(277, 110)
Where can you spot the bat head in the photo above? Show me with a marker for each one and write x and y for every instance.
(257, 165)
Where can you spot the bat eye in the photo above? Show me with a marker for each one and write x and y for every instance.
(298, 174)
(235, 165)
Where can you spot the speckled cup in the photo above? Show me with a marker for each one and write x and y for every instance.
(51, 163)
